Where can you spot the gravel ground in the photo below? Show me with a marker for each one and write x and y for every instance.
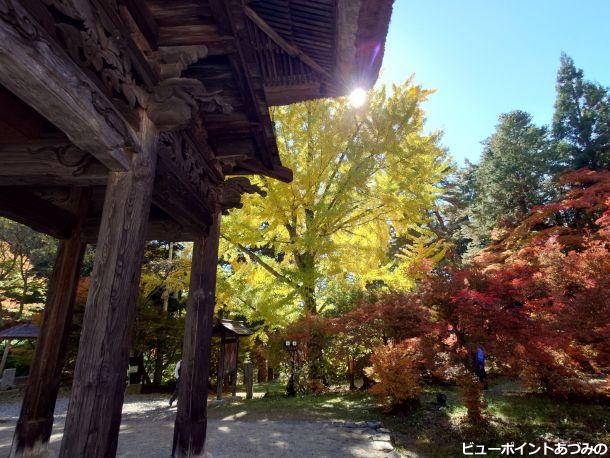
(147, 429)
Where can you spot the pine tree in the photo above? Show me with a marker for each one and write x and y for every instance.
(581, 122)
(514, 175)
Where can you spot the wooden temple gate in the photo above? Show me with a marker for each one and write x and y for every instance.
(120, 121)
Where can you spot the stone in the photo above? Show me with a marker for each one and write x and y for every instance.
(382, 446)
(382, 437)
(7, 381)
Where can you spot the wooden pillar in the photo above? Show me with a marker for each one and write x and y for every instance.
(36, 418)
(234, 379)
(221, 368)
(94, 412)
(7, 349)
(248, 379)
(191, 418)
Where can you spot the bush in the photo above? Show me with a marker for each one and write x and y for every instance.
(396, 369)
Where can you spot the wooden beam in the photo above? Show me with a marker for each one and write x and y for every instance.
(35, 423)
(220, 46)
(191, 418)
(94, 412)
(251, 167)
(290, 48)
(42, 75)
(174, 195)
(41, 215)
(136, 58)
(184, 179)
(49, 163)
(19, 116)
(282, 95)
(144, 20)
(188, 35)
(232, 128)
(164, 229)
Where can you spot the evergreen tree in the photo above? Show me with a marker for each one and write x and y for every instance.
(451, 214)
(581, 122)
(513, 176)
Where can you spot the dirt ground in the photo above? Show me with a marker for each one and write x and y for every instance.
(147, 428)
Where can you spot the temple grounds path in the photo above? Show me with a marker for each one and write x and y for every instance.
(233, 431)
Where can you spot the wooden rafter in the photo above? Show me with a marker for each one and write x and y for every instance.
(243, 65)
(290, 48)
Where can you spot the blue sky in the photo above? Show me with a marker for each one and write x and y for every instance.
(488, 57)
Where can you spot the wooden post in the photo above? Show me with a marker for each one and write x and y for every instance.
(248, 379)
(191, 418)
(234, 384)
(94, 412)
(7, 349)
(36, 418)
(221, 368)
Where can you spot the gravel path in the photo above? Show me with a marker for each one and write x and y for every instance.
(147, 429)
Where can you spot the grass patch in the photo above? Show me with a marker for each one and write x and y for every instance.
(330, 406)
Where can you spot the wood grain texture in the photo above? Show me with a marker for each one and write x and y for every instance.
(289, 48)
(49, 163)
(165, 229)
(94, 413)
(41, 215)
(191, 418)
(220, 379)
(35, 422)
(43, 76)
(249, 379)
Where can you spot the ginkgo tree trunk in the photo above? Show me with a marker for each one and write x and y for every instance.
(354, 215)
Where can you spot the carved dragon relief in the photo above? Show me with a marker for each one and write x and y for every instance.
(171, 61)
(175, 148)
(21, 22)
(176, 101)
(95, 44)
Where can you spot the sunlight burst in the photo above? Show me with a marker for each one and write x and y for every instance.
(357, 98)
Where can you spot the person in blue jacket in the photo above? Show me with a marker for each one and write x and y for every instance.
(479, 366)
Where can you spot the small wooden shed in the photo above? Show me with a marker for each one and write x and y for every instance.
(20, 332)
(229, 331)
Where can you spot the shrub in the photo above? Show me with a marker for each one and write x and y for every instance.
(396, 369)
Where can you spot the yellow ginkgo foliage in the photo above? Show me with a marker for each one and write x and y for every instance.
(355, 214)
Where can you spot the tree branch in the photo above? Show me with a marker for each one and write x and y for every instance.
(257, 259)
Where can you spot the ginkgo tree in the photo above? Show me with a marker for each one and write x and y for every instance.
(354, 215)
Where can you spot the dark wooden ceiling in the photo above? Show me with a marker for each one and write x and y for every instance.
(257, 54)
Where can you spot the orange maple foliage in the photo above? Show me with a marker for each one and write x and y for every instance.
(396, 369)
